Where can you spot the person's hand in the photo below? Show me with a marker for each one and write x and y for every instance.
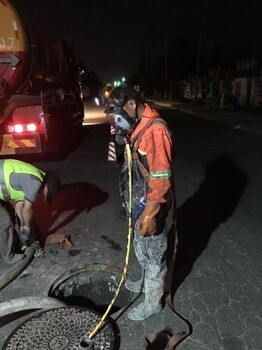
(24, 233)
(146, 222)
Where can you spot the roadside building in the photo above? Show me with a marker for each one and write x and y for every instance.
(247, 85)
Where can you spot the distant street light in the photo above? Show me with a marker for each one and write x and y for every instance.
(117, 83)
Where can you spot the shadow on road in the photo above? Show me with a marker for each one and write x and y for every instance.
(214, 202)
(72, 200)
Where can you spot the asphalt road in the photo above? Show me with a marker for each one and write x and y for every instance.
(217, 280)
(94, 114)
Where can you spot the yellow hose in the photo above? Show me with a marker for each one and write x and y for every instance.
(129, 237)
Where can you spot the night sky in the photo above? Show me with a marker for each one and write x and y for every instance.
(111, 36)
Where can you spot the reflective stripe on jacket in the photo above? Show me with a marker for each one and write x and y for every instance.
(9, 166)
(156, 145)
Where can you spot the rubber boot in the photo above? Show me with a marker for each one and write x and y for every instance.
(152, 304)
(135, 286)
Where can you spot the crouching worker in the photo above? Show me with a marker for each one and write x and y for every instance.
(152, 192)
(20, 184)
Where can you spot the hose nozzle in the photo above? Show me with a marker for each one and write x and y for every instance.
(86, 344)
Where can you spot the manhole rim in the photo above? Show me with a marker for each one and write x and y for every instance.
(88, 268)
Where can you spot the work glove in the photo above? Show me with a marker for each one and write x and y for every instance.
(146, 223)
(24, 234)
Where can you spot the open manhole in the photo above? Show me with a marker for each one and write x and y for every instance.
(61, 329)
(92, 286)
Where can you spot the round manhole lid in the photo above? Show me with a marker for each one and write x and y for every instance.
(59, 329)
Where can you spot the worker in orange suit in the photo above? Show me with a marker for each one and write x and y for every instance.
(152, 191)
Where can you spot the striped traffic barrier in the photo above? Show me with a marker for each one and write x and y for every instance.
(111, 151)
(112, 147)
(112, 130)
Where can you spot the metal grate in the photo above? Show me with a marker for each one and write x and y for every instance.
(59, 329)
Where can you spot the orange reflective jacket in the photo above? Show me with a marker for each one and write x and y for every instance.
(156, 145)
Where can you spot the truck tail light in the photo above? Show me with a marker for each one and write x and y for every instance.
(31, 127)
(18, 128)
(15, 128)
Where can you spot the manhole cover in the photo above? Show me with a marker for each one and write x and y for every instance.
(92, 286)
(59, 329)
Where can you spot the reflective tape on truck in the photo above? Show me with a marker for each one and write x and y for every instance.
(19, 144)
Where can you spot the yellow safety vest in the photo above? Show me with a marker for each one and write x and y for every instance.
(8, 166)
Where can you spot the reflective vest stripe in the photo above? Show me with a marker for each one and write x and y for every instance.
(2, 182)
(160, 175)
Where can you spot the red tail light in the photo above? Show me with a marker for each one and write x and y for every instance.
(18, 128)
(31, 127)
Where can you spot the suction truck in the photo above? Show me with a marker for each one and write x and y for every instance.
(41, 109)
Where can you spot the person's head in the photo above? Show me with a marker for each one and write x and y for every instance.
(51, 186)
(124, 109)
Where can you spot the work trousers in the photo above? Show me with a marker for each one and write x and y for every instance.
(6, 234)
(150, 253)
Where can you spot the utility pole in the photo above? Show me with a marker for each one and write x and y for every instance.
(166, 66)
(198, 54)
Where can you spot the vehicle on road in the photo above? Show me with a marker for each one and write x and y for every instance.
(41, 110)
(105, 92)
